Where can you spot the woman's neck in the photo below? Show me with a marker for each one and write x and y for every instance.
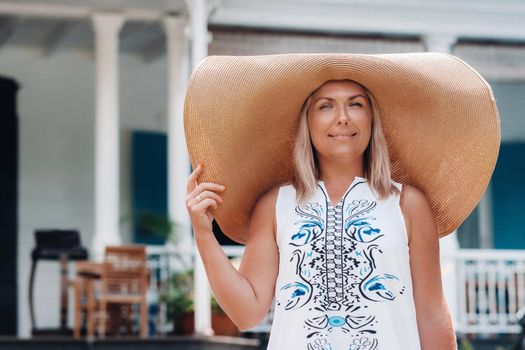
(340, 174)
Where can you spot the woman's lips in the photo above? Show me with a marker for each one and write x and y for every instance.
(342, 136)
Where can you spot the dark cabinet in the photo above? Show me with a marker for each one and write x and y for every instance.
(8, 206)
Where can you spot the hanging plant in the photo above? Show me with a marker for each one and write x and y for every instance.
(155, 224)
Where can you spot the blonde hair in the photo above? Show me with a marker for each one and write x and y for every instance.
(376, 159)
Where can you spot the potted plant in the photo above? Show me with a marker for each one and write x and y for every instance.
(221, 323)
(179, 300)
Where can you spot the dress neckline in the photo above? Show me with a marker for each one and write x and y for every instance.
(357, 179)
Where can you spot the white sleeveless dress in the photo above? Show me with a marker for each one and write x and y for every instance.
(344, 279)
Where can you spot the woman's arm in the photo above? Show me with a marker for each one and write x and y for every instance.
(245, 295)
(433, 316)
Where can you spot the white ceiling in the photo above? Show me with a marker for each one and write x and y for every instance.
(49, 26)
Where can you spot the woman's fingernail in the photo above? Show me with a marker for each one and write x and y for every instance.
(200, 165)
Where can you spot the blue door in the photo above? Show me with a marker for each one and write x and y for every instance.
(508, 194)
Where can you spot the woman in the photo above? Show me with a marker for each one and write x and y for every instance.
(350, 256)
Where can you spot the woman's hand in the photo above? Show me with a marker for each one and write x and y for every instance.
(199, 199)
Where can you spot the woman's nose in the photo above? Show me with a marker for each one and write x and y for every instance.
(342, 118)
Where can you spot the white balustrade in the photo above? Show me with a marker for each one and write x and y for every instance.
(491, 289)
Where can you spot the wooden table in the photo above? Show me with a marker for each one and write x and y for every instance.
(87, 274)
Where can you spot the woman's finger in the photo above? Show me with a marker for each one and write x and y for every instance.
(203, 187)
(192, 179)
(208, 194)
(206, 203)
(209, 186)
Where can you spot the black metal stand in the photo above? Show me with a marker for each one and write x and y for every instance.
(63, 246)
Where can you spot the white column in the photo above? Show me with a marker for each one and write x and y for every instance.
(448, 245)
(199, 50)
(178, 66)
(448, 249)
(439, 42)
(485, 220)
(107, 27)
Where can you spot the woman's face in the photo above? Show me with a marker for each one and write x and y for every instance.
(340, 120)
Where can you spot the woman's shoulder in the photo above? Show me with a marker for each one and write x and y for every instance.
(414, 205)
(269, 197)
(411, 196)
(407, 190)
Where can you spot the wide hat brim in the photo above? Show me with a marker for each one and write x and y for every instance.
(439, 117)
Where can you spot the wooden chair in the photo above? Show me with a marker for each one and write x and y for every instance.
(124, 280)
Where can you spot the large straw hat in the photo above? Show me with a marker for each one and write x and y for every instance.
(439, 117)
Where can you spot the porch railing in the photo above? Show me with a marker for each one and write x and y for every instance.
(490, 288)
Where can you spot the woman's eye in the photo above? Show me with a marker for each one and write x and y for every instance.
(356, 104)
(326, 106)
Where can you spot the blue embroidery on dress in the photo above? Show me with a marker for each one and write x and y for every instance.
(320, 344)
(378, 286)
(312, 227)
(299, 292)
(336, 273)
(363, 343)
(360, 229)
